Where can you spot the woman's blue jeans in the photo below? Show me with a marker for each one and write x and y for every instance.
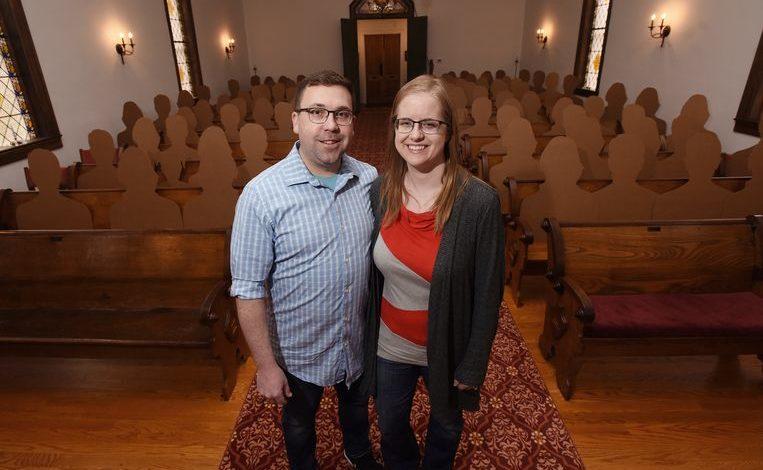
(395, 386)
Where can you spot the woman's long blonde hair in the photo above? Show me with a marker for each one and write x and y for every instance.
(454, 176)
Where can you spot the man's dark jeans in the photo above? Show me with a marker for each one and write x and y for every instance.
(299, 421)
(395, 386)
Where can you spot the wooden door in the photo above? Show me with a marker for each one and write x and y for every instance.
(382, 67)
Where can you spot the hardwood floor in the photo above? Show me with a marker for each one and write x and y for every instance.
(685, 412)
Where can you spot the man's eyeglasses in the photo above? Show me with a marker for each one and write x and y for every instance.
(343, 117)
(427, 126)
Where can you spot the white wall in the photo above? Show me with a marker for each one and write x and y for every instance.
(87, 82)
(477, 35)
(709, 51)
(290, 37)
(390, 26)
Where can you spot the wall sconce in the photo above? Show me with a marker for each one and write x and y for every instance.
(542, 37)
(124, 48)
(230, 47)
(663, 30)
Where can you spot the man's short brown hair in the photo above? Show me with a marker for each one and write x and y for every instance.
(322, 78)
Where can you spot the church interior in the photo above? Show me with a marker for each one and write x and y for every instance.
(623, 139)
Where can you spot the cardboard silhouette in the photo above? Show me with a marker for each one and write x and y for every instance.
(279, 92)
(506, 114)
(263, 113)
(233, 88)
(185, 98)
(497, 87)
(130, 115)
(586, 132)
(254, 142)
(140, 208)
(247, 97)
(177, 136)
(205, 93)
(104, 175)
(162, 106)
(616, 99)
(283, 112)
(569, 85)
(482, 108)
(222, 100)
(146, 138)
(192, 138)
(559, 195)
(230, 118)
(625, 199)
(254, 80)
(239, 103)
(269, 81)
(539, 78)
(557, 117)
(501, 97)
(204, 115)
(637, 124)
(650, 101)
(261, 91)
(700, 198)
(520, 144)
(499, 74)
(49, 210)
(551, 95)
(215, 206)
(291, 92)
(694, 114)
(531, 104)
(171, 164)
(486, 78)
(519, 88)
(524, 75)
(749, 200)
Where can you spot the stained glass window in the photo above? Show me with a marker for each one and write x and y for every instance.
(183, 44)
(16, 126)
(592, 42)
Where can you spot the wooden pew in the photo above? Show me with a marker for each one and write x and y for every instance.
(99, 201)
(652, 289)
(115, 292)
(523, 257)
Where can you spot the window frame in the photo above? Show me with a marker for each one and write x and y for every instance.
(32, 81)
(745, 122)
(584, 42)
(189, 30)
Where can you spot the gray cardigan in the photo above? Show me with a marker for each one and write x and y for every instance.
(465, 294)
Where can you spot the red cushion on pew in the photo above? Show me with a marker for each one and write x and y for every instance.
(640, 315)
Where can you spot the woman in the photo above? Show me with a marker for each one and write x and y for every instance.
(437, 282)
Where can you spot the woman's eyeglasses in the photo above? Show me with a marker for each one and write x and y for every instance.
(427, 126)
(343, 117)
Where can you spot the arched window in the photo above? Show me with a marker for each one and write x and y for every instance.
(26, 115)
(592, 41)
(183, 40)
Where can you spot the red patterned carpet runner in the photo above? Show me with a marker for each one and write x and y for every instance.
(372, 128)
(517, 427)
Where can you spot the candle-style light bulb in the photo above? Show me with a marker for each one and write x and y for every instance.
(121, 35)
(664, 16)
(654, 17)
(129, 35)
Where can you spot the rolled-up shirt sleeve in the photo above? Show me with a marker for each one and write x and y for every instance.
(251, 250)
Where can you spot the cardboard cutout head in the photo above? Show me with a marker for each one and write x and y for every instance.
(283, 112)
(519, 88)
(524, 75)
(185, 98)
(204, 115)
(162, 106)
(229, 117)
(570, 84)
(594, 107)
(263, 113)
(233, 88)
(205, 93)
(49, 210)
(192, 138)
(539, 77)
(145, 136)
(531, 104)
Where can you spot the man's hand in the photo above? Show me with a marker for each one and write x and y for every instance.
(272, 384)
(460, 386)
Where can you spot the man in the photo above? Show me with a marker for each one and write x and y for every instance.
(300, 257)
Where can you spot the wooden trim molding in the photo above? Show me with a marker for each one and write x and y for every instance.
(32, 81)
(748, 115)
(189, 30)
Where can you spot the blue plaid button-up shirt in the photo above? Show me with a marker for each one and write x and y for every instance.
(306, 248)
